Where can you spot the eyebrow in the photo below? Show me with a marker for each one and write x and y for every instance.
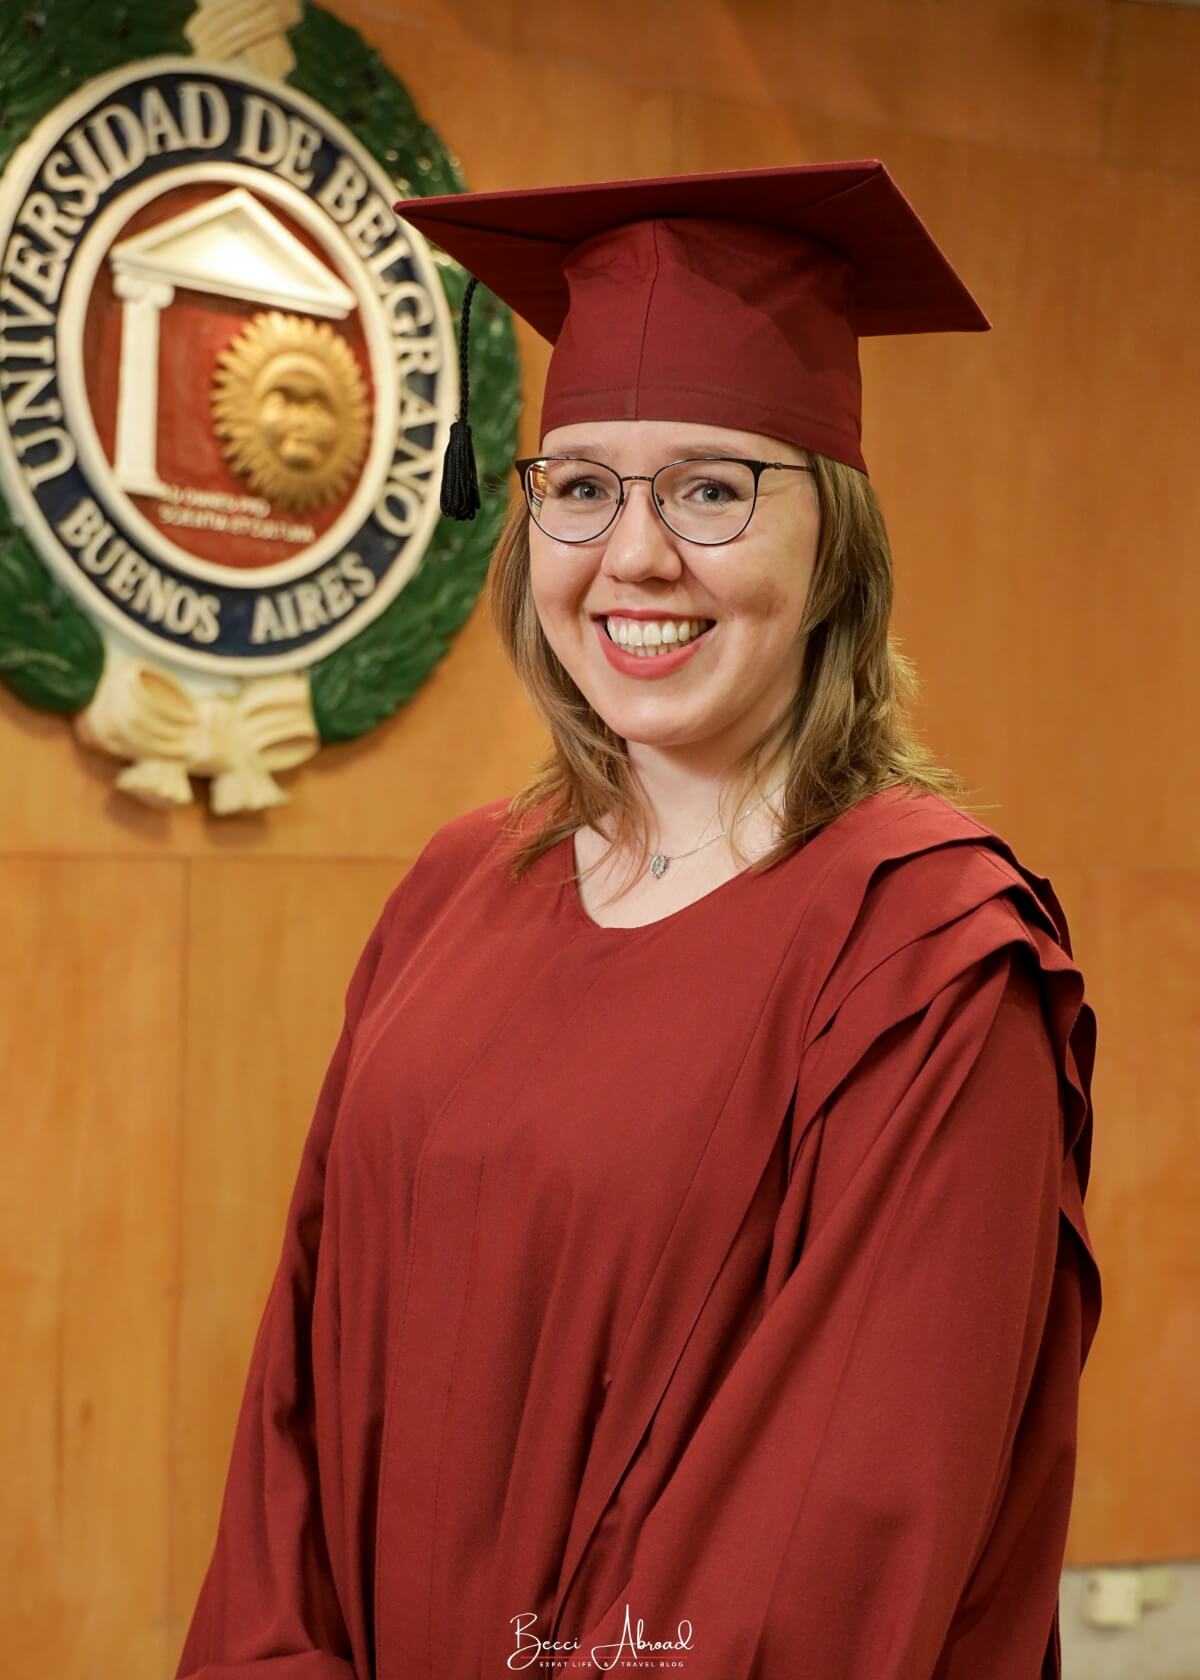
(687, 452)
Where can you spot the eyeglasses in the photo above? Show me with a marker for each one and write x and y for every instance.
(707, 499)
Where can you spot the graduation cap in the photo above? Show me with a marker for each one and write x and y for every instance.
(734, 298)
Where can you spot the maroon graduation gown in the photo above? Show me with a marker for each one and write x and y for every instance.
(708, 1297)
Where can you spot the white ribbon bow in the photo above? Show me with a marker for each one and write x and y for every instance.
(143, 713)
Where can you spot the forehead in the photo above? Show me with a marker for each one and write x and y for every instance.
(661, 440)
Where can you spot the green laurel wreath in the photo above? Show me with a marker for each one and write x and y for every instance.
(51, 653)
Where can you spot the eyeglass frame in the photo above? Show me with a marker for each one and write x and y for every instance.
(521, 468)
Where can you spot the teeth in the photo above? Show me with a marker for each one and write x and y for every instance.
(648, 638)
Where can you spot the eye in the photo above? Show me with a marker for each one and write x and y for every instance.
(580, 489)
(712, 490)
(579, 484)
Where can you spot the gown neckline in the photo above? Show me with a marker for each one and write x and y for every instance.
(578, 914)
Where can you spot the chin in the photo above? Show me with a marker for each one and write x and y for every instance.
(658, 727)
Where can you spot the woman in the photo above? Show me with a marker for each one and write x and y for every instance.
(687, 1267)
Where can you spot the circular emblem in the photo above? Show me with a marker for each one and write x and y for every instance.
(291, 409)
(227, 377)
(256, 366)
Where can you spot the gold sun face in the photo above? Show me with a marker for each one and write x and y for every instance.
(290, 406)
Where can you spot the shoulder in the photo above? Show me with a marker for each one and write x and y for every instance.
(921, 905)
(917, 897)
(901, 863)
(450, 856)
(464, 839)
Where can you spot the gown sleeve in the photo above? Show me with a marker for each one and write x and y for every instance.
(879, 1489)
(268, 1607)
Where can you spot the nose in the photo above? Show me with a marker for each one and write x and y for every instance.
(638, 543)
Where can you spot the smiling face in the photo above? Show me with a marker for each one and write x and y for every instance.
(297, 410)
(705, 705)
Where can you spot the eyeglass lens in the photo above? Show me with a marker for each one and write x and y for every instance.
(702, 501)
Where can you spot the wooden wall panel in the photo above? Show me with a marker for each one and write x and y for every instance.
(1151, 113)
(271, 944)
(91, 1048)
(1136, 1496)
(993, 71)
(175, 981)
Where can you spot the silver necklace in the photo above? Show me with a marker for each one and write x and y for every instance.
(660, 860)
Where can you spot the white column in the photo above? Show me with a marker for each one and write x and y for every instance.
(142, 300)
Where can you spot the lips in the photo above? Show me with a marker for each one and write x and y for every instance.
(652, 617)
(653, 666)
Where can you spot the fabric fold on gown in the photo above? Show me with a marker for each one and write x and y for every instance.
(725, 1280)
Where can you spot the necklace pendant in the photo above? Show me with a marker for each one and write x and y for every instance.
(658, 864)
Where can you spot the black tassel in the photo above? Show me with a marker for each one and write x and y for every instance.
(460, 480)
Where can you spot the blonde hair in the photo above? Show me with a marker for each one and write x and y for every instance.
(846, 735)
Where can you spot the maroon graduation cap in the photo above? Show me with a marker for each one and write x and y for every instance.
(735, 298)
